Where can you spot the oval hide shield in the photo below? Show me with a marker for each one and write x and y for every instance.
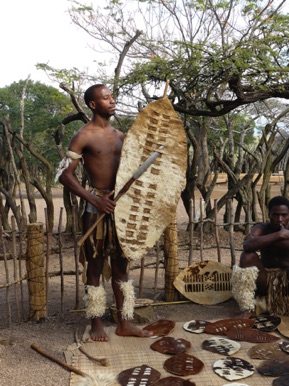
(208, 282)
(143, 213)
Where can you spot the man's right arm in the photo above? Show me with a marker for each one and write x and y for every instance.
(257, 240)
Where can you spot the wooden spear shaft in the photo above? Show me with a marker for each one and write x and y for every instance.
(136, 175)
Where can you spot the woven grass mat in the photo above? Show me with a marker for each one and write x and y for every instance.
(126, 352)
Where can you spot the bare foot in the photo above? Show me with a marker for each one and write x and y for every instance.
(128, 329)
(97, 332)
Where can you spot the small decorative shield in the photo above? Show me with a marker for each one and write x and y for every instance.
(195, 326)
(174, 381)
(138, 376)
(267, 323)
(183, 365)
(207, 282)
(160, 327)
(170, 345)
(252, 336)
(274, 367)
(281, 381)
(233, 368)
(284, 346)
(221, 327)
(283, 327)
(236, 384)
(266, 351)
(221, 346)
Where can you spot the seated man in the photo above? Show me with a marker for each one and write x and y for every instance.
(265, 274)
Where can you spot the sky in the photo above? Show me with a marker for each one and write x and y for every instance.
(39, 31)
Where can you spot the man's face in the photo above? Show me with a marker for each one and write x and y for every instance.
(103, 102)
(279, 215)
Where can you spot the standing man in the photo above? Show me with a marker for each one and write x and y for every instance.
(265, 274)
(99, 145)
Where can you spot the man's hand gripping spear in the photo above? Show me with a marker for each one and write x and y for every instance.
(136, 175)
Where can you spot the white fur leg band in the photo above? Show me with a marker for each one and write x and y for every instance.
(244, 286)
(95, 301)
(128, 301)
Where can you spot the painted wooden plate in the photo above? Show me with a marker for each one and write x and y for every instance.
(207, 282)
(195, 326)
(160, 328)
(183, 365)
(233, 368)
(221, 327)
(170, 345)
(139, 376)
(220, 345)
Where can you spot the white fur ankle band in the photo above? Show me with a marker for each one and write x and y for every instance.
(95, 301)
(129, 299)
(244, 286)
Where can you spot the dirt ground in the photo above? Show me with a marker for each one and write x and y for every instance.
(21, 366)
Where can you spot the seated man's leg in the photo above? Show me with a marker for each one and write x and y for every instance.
(248, 278)
(252, 259)
(95, 297)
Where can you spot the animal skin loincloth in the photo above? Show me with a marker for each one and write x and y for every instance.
(105, 232)
(278, 291)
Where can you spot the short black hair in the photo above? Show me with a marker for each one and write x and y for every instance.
(89, 93)
(278, 201)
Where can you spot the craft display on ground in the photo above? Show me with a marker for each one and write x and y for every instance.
(186, 355)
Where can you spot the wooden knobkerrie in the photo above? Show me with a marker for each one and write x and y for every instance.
(143, 213)
(208, 282)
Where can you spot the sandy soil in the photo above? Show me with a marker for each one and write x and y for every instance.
(21, 366)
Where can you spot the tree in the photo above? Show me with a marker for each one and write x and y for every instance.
(31, 115)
